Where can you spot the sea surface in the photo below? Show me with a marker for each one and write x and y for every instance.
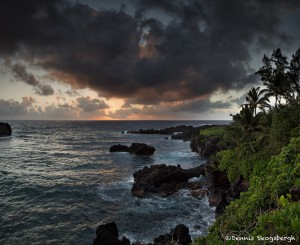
(58, 182)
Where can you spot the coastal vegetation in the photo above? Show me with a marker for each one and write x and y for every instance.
(264, 150)
(213, 131)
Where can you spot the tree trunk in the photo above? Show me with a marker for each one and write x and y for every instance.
(251, 146)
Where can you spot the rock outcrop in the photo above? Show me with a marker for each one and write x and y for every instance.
(180, 235)
(169, 131)
(135, 148)
(5, 129)
(222, 192)
(119, 148)
(108, 234)
(181, 132)
(162, 179)
(205, 147)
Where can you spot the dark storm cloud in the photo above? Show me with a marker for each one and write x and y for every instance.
(206, 46)
(20, 74)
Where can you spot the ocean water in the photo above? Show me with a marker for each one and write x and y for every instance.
(58, 182)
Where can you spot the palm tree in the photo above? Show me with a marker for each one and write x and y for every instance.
(248, 121)
(257, 98)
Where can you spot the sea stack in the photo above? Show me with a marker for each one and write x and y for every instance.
(5, 129)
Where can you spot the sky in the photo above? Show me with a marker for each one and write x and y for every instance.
(137, 59)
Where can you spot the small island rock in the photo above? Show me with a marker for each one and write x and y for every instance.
(135, 148)
(108, 234)
(5, 129)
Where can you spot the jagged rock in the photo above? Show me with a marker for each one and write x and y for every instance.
(119, 148)
(108, 234)
(180, 235)
(200, 193)
(141, 149)
(162, 179)
(222, 192)
(135, 148)
(205, 147)
(5, 129)
(219, 185)
(216, 177)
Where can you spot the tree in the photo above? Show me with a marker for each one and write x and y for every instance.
(294, 73)
(273, 73)
(257, 98)
(248, 121)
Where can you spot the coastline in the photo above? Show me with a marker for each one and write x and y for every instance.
(81, 178)
(185, 133)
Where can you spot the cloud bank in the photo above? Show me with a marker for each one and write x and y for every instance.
(191, 50)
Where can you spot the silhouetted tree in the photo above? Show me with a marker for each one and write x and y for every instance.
(294, 74)
(257, 98)
(273, 73)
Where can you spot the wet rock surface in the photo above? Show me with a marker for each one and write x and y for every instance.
(5, 129)
(205, 147)
(135, 148)
(163, 179)
(222, 192)
(180, 235)
(108, 234)
(166, 180)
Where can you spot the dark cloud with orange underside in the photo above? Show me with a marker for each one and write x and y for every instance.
(143, 59)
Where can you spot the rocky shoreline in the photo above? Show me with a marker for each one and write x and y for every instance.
(182, 132)
(108, 234)
(165, 180)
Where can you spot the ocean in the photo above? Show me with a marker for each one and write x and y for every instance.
(58, 182)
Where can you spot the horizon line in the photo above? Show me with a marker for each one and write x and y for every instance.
(95, 120)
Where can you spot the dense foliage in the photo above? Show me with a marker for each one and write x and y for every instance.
(267, 154)
(213, 131)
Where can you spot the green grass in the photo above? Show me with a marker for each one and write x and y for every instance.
(213, 131)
